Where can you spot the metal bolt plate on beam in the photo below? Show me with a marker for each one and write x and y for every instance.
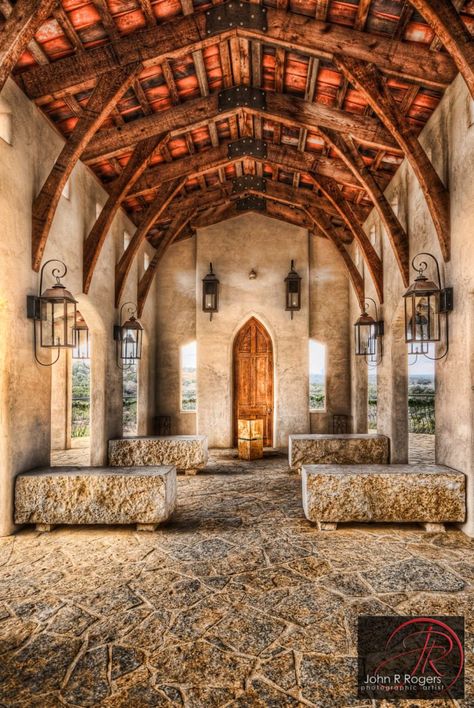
(251, 203)
(232, 15)
(240, 184)
(247, 147)
(242, 96)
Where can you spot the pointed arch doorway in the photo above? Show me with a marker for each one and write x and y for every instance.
(253, 377)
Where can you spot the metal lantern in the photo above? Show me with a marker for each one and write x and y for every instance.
(425, 303)
(293, 290)
(368, 334)
(210, 293)
(81, 347)
(128, 336)
(54, 314)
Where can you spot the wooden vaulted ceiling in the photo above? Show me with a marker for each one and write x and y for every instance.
(134, 86)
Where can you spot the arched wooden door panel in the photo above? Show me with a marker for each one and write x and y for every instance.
(253, 377)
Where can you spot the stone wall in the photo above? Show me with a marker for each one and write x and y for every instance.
(26, 389)
(448, 139)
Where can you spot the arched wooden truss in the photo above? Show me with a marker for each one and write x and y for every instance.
(332, 103)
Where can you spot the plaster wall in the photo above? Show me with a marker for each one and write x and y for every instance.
(448, 139)
(26, 387)
(235, 247)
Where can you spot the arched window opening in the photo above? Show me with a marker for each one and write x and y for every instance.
(188, 368)
(130, 400)
(146, 261)
(317, 376)
(67, 190)
(6, 122)
(421, 407)
(126, 240)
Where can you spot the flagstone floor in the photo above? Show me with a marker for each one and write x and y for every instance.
(238, 602)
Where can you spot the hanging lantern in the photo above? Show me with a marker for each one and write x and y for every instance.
(210, 293)
(128, 336)
(293, 290)
(81, 346)
(54, 314)
(368, 334)
(425, 303)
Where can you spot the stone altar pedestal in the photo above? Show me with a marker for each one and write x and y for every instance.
(250, 439)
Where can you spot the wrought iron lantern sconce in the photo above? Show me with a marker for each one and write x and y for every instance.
(427, 303)
(368, 334)
(128, 335)
(54, 314)
(210, 293)
(253, 274)
(293, 290)
(81, 346)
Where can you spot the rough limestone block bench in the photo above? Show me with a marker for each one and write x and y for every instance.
(188, 453)
(351, 449)
(427, 494)
(145, 496)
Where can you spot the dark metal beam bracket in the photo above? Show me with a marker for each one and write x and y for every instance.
(242, 97)
(251, 203)
(240, 184)
(247, 147)
(232, 15)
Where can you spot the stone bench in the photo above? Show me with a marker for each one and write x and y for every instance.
(351, 449)
(427, 494)
(188, 453)
(145, 496)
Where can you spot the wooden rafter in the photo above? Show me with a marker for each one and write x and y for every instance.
(178, 224)
(278, 155)
(369, 82)
(153, 213)
(349, 153)
(322, 225)
(228, 210)
(96, 238)
(25, 19)
(102, 101)
(330, 189)
(183, 35)
(194, 114)
(446, 23)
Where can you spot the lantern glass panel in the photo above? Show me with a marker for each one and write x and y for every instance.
(81, 346)
(422, 318)
(293, 293)
(365, 339)
(57, 322)
(131, 343)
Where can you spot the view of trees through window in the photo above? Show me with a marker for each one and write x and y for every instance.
(317, 375)
(188, 377)
(81, 401)
(130, 397)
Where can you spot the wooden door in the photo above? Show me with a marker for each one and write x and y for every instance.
(253, 377)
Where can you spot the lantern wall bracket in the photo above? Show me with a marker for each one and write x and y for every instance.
(241, 97)
(232, 15)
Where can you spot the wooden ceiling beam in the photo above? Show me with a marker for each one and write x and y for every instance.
(101, 103)
(179, 223)
(285, 157)
(332, 192)
(349, 154)
(369, 81)
(191, 115)
(154, 211)
(323, 225)
(26, 18)
(444, 20)
(98, 234)
(183, 35)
